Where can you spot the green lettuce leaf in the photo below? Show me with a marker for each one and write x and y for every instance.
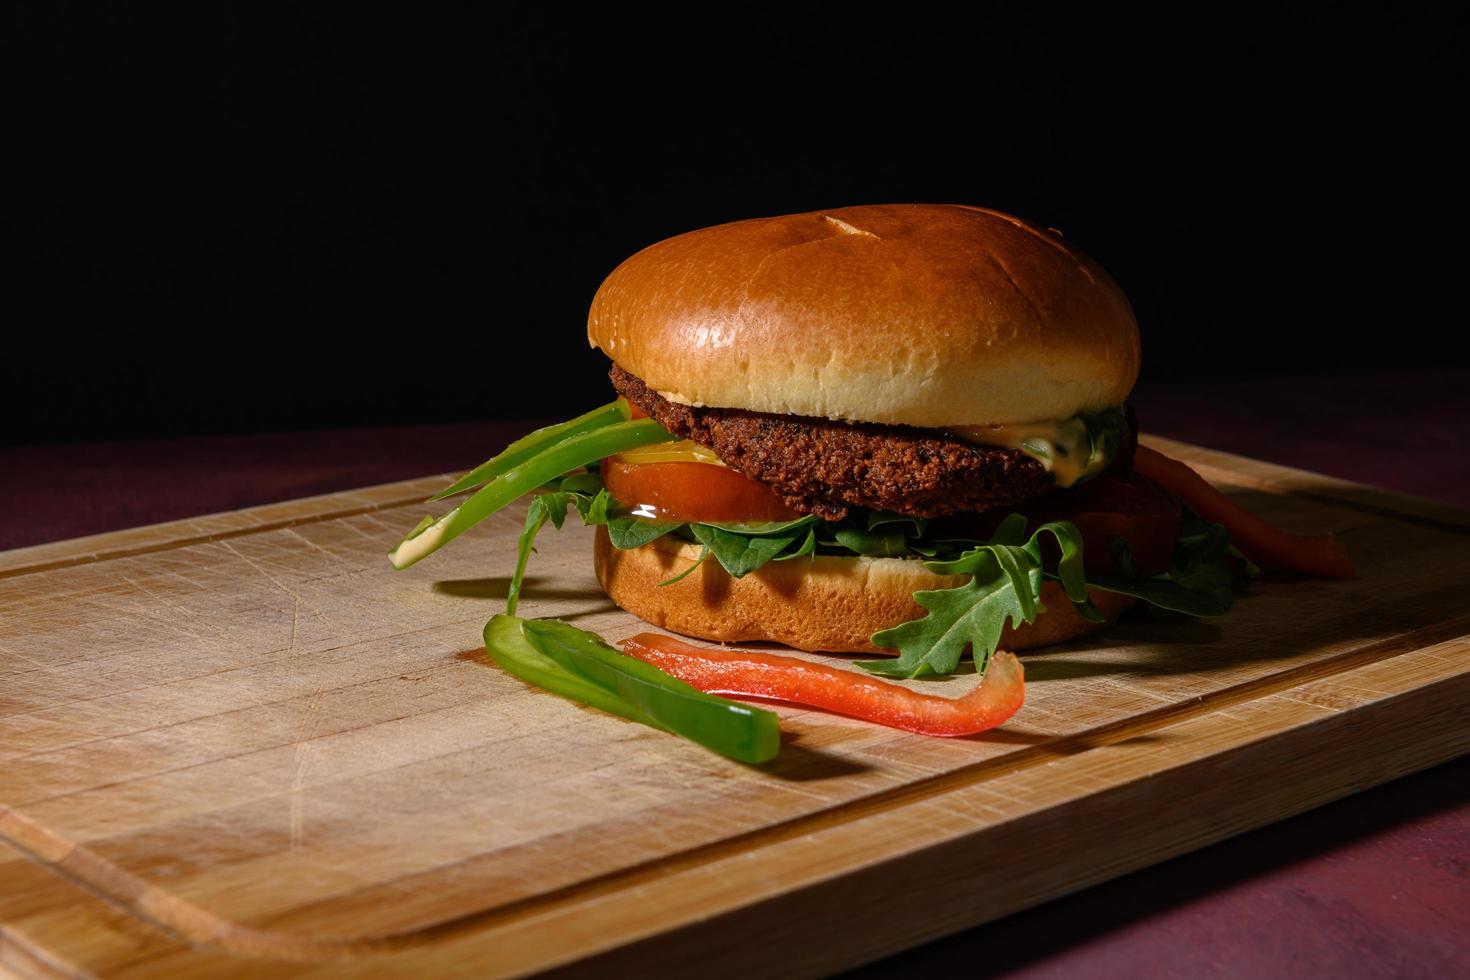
(807, 548)
(635, 532)
(873, 544)
(767, 529)
(739, 554)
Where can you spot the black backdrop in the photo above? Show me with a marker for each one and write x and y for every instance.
(224, 219)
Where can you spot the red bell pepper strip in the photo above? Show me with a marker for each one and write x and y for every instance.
(744, 673)
(1258, 539)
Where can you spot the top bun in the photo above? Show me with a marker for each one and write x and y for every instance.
(928, 315)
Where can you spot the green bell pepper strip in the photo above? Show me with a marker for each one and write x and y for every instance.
(536, 442)
(508, 646)
(521, 479)
(736, 730)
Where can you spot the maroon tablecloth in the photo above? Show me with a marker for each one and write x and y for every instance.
(1376, 885)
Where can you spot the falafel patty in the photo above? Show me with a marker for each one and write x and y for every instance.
(825, 466)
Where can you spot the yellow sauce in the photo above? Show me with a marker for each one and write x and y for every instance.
(1063, 448)
(683, 451)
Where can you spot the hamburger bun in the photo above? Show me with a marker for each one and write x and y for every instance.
(831, 603)
(913, 314)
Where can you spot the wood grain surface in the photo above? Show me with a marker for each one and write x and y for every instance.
(243, 743)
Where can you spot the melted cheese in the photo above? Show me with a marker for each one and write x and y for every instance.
(1066, 449)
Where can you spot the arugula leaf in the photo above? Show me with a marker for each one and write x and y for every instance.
(1203, 574)
(737, 554)
(703, 554)
(549, 505)
(1205, 558)
(1011, 530)
(1005, 585)
(1069, 568)
(594, 510)
(972, 615)
(1162, 592)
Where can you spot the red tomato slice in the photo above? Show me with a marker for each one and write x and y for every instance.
(1111, 505)
(1107, 506)
(697, 492)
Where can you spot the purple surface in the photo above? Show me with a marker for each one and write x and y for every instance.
(1377, 885)
(1408, 432)
(48, 493)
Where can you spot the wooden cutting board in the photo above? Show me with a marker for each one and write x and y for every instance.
(245, 743)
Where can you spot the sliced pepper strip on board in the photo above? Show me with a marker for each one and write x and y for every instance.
(737, 730)
(531, 445)
(745, 673)
(1258, 539)
(508, 646)
(579, 666)
(558, 458)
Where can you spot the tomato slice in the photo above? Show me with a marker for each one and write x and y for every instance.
(1108, 506)
(1112, 505)
(692, 492)
(1127, 506)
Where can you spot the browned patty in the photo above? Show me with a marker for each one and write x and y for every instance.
(821, 466)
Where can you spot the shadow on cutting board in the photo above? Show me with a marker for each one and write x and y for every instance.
(498, 587)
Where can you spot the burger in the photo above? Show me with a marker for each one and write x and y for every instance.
(894, 429)
(911, 360)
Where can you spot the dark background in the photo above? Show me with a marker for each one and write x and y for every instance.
(225, 220)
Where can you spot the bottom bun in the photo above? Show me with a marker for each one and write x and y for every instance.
(831, 604)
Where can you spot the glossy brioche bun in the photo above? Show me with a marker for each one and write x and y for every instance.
(832, 604)
(928, 315)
